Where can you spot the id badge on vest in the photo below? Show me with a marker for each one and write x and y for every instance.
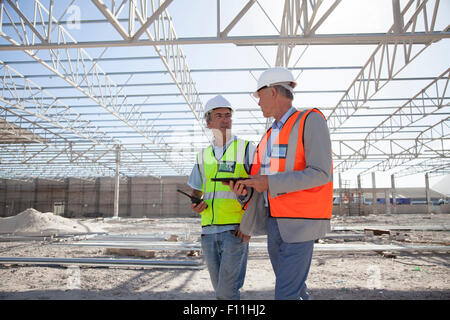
(226, 166)
(279, 151)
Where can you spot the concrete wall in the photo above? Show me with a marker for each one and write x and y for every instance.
(138, 197)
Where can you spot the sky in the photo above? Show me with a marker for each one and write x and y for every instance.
(351, 16)
(197, 18)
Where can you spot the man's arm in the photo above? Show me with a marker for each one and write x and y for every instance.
(318, 171)
(196, 183)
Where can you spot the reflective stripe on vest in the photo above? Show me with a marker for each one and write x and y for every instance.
(223, 207)
(314, 203)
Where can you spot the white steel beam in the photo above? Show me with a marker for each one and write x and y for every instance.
(54, 140)
(112, 18)
(150, 20)
(236, 19)
(101, 89)
(173, 59)
(394, 124)
(384, 62)
(300, 15)
(425, 143)
(54, 112)
(64, 122)
(405, 39)
(434, 167)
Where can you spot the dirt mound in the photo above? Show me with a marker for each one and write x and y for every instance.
(34, 222)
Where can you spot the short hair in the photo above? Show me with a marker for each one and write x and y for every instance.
(284, 92)
(208, 116)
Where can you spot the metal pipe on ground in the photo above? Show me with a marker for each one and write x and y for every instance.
(103, 262)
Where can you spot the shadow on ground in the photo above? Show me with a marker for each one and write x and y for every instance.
(319, 294)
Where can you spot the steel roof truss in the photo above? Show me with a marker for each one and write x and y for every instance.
(381, 63)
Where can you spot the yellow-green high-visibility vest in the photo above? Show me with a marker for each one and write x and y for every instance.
(223, 207)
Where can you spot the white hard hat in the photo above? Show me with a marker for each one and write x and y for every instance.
(217, 102)
(276, 76)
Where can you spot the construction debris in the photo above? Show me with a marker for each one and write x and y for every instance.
(398, 236)
(320, 261)
(387, 254)
(32, 222)
(193, 253)
(173, 238)
(376, 232)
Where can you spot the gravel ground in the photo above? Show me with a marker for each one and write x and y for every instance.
(333, 275)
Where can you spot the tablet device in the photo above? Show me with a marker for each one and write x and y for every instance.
(228, 179)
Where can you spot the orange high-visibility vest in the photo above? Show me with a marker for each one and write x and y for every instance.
(288, 155)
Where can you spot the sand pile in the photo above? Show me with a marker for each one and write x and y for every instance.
(33, 222)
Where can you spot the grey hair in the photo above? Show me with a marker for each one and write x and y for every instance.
(207, 116)
(284, 92)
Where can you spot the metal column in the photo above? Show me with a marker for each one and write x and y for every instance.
(116, 184)
(427, 192)
(374, 194)
(394, 195)
(341, 211)
(160, 196)
(360, 195)
(387, 207)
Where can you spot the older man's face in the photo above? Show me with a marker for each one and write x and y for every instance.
(266, 101)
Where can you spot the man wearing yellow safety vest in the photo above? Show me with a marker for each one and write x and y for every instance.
(221, 213)
(293, 176)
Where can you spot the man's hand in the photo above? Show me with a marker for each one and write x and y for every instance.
(258, 182)
(238, 188)
(244, 237)
(198, 208)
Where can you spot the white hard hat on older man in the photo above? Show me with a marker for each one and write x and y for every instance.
(275, 76)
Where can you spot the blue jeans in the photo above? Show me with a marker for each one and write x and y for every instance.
(226, 258)
(290, 262)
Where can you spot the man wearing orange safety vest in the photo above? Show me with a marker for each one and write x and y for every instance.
(291, 183)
